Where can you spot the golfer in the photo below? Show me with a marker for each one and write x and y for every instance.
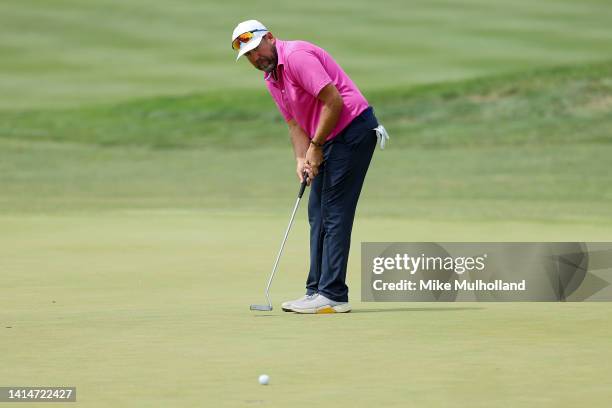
(334, 132)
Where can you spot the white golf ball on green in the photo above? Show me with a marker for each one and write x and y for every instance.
(264, 379)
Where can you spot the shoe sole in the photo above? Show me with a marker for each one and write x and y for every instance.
(344, 308)
(286, 307)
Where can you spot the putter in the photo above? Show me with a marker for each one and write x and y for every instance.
(268, 307)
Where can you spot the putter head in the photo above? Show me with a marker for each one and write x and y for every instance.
(261, 308)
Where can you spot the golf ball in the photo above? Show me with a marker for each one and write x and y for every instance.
(264, 379)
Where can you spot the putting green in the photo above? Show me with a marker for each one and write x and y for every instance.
(142, 308)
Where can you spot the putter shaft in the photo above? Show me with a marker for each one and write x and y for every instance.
(280, 252)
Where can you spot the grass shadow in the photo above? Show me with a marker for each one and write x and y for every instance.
(417, 309)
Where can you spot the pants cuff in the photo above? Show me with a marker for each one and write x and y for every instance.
(334, 298)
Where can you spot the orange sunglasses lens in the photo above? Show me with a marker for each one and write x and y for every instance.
(242, 38)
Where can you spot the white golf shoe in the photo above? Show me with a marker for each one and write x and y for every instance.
(286, 306)
(320, 304)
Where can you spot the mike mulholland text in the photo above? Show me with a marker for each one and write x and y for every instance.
(438, 285)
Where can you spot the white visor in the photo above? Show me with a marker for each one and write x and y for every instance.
(246, 47)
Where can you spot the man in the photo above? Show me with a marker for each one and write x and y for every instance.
(333, 131)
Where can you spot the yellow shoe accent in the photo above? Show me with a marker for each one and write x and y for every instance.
(326, 310)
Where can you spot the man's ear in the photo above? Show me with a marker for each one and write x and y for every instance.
(270, 37)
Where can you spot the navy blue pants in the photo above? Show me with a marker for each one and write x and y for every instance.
(334, 193)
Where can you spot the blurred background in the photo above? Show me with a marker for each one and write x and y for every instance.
(65, 53)
(495, 109)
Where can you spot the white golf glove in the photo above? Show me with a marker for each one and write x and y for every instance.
(381, 135)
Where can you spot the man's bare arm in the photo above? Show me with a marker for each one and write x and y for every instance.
(330, 113)
(309, 157)
(299, 139)
(300, 142)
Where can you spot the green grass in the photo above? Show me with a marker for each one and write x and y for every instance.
(541, 184)
(567, 105)
(146, 180)
(532, 146)
(142, 308)
(129, 255)
(71, 52)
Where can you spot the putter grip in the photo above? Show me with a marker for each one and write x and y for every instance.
(303, 186)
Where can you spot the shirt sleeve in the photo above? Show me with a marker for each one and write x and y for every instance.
(308, 72)
(278, 99)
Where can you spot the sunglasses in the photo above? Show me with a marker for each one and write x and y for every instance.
(243, 39)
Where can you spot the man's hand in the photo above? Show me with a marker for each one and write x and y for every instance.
(314, 159)
(300, 169)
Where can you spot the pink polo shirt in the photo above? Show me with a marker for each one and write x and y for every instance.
(303, 70)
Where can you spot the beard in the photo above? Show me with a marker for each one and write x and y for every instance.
(268, 64)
